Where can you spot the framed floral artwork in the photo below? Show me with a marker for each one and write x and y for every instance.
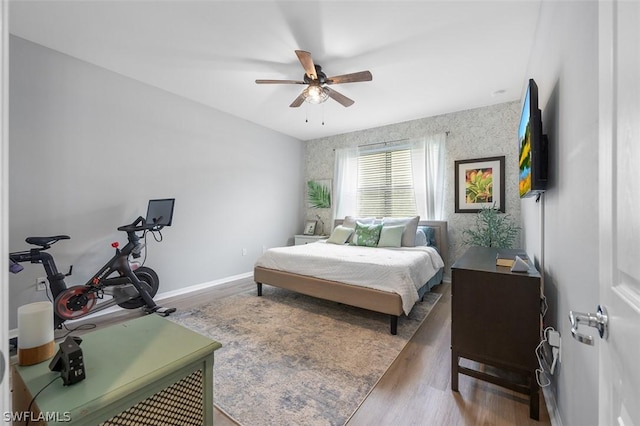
(479, 183)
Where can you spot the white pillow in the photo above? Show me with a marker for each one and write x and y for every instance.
(350, 221)
(421, 238)
(391, 236)
(410, 228)
(340, 235)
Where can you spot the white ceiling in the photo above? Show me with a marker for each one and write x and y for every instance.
(427, 57)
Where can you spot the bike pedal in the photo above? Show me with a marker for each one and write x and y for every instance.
(165, 312)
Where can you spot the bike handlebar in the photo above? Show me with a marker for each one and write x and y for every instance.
(140, 225)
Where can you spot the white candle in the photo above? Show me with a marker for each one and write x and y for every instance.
(35, 331)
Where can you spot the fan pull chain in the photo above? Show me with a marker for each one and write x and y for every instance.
(306, 113)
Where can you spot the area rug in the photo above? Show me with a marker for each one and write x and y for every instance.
(290, 359)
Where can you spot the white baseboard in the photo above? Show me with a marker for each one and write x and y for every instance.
(160, 296)
(552, 406)
(190, 289)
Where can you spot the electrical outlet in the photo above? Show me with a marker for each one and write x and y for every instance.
(244, 251)
(41, 284)
(553, 337)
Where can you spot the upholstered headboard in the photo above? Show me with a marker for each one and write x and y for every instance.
(441, 234)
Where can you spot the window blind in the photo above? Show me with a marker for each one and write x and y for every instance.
(385, 184)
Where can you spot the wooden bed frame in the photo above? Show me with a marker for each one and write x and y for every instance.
(348, 294)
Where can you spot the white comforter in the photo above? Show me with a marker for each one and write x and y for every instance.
(399, 270)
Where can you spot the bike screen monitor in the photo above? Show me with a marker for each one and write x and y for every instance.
(160, 212)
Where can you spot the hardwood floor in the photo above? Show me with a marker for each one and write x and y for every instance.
(416, 388)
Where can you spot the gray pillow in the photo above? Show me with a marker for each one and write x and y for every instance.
(410, 228)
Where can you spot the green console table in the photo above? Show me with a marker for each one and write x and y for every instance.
(147, 371)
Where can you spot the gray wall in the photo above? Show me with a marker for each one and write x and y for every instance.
(562, 231)
(476, 133)
(89, 147)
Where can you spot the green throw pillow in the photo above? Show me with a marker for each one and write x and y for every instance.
(366, 235)
(340, 235)
(391, 236)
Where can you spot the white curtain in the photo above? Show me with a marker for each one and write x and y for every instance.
(346, 182)
(428, 169)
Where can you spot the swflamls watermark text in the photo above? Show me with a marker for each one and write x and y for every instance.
(46, 416)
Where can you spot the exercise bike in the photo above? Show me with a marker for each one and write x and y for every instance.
(129, 285)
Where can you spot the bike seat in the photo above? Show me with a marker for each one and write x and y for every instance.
(45, 242)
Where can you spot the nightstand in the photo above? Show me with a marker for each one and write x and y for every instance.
(306, 239)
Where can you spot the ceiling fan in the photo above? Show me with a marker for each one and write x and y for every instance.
(317, 81)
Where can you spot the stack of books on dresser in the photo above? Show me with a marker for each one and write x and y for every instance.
(508, 258)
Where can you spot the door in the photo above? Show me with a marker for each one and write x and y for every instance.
(619, 209)
(5, 400)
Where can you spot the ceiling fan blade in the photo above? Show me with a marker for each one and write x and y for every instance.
(307, 64)
(350, 78)
(339, 97)
(279, 82)
(298, 101)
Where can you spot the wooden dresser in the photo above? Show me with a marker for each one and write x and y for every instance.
(495, 321)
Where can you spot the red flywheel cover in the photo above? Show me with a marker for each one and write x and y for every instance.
(75, 302)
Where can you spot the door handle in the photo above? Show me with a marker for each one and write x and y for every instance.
(599, 320)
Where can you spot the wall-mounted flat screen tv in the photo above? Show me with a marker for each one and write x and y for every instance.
(533, 156)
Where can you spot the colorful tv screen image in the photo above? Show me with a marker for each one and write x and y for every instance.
(524, 138)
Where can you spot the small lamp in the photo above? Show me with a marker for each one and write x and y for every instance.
(35, 333)
(321, 224)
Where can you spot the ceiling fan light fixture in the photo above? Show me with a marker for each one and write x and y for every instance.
(315, 94)
(315, 79)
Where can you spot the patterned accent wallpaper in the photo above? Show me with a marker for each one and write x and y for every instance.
(476, 133)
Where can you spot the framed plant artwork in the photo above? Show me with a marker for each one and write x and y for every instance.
(309, 227)
(319, 194)
(479, 183)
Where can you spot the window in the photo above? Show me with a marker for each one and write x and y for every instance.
(385, 184)
(401, 180)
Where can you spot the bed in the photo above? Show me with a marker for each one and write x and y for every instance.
(348, 289)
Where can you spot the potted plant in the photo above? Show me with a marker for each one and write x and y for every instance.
(492, 229)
